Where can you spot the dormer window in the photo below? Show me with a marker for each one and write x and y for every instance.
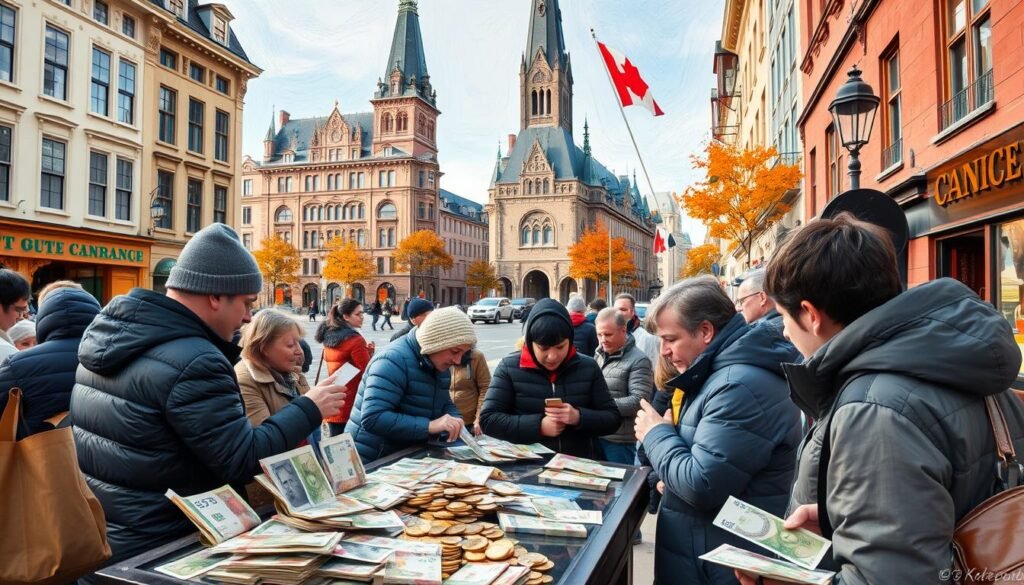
(220, 31)
(289, 157)
(176, 6)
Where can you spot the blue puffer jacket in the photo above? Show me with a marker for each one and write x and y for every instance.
(400, 394)
(46, 373)
(737, 436)
(156, 407)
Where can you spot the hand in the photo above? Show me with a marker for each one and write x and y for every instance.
(660, 487)
(446, 424)
(328, 397)
(370, 347)
(648, 418)
(805, 516)
(566, 414)
(477, 431)
(550, 427)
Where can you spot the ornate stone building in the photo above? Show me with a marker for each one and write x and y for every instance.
(546, 191)
(370, 177)
(464, 229)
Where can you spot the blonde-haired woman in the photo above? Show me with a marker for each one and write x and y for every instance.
(267, 374)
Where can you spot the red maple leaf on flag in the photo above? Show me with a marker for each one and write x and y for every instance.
(630, 86)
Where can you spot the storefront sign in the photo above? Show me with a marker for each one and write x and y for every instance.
(994, 169)
(68, 249)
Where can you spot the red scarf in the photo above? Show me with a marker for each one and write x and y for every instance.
(526, 361)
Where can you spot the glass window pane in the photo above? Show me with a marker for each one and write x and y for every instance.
(982, 47)
(957, 16)
(958, 67)
(894, 73)
(978, 5)
(1011, 276)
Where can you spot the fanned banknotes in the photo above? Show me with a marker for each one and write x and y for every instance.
(753, 524)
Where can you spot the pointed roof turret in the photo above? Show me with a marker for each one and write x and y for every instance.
(271, 133)
(407, 58)
(546, 34)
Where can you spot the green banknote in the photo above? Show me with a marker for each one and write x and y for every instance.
(799, 546)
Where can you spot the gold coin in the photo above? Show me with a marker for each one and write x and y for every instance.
(437, 530)
(474, 528)
(499, 551)
(444, 515)
(547, 579)
(486, 507)
(475, 557)
(520, 551)
(472, 499)
(427, 515)
(418, 530)
(456, 529)
(451, 540)
(535, 558)
(544, 567)
(475, 544)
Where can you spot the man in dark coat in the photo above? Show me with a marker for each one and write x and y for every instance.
(157, 404)
(550, 367)
(46, 373)
(417, 311)
(897, 382)
(584, 332)
(734, 433)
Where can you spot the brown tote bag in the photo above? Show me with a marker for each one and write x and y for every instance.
(52, 529)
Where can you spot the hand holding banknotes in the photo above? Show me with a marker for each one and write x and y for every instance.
(446, 424)
(806, 517)
(647, 418)
(328, 395)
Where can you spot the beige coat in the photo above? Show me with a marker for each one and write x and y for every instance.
(469, 386)
(262, 394)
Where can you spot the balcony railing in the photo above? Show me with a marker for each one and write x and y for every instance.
(972, 97)
(892, 154)
(787, 158)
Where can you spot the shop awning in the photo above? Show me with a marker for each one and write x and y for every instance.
(163, 267)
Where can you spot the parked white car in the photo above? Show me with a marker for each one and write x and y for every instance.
(491, 309)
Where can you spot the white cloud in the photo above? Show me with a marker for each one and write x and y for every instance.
(316, 51)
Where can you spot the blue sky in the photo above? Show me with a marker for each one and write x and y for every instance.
(316, 51)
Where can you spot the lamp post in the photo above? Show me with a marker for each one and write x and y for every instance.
(322, 249)
(853, 113)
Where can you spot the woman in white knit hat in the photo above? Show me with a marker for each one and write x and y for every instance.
(403, 398)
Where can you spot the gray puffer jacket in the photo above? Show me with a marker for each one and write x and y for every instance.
(912, 448)
(629, 377)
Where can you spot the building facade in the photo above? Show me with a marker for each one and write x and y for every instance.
(463, 226)
(196, 74)
(371, 178)
(947, 137)
(71, 143)
(546, 191)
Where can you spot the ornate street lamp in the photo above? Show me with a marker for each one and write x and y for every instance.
(157, 211)
(726, 68)
(853, 113)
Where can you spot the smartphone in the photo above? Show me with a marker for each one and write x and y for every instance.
(552, 402)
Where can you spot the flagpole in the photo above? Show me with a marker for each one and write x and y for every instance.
(609, 264)
(622, 111)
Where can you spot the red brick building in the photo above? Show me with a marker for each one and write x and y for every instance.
(948, 138)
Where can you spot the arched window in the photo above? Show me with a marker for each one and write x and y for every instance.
(362, 211)
(526, 236)
(536, 186)
(344, 213)
(382, 239)
(385, 123)
(529, 187)
(283, 215)
(361, 235)
(533, 102)
(316, 183)
(536, 235)
(402, 122)
(309, 183)
(547, 102)
(549, 235)
(430, 130)
(547, 186)
(330, 182)
(387, 211)
(391, 237)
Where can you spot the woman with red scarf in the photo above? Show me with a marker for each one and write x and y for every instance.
(548, 368)
(343, 344)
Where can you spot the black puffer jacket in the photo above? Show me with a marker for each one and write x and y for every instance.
(514, 405)
(46, 373)
(157, 407)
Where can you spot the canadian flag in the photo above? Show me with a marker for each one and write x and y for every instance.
(632, 88)
(659, 241)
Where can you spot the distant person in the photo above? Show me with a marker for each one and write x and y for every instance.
(648, 343)
(405, 309)
(388, 308)
(549, 367)
(755, 304)
(630, 379)
(375, 310)
(23, 334)
(14, 296)
(470, 379)
(344, 344)
(595, 307)
(417, 311)
(156, 404)
(46, 373)
(313, 311)
(584, 333)
(404, 397)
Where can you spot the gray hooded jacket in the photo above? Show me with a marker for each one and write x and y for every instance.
(629, 377)
(912, 448)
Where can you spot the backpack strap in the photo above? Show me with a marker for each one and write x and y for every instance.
(1008, 469)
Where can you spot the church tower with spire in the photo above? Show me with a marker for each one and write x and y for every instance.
(405, 104)
(545, 74)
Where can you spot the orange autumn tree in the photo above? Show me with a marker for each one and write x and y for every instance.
(588, 258)
(700, 260)
(421, 253)
(278, 261)
(347, 264)
(481, 276)
(742, 193)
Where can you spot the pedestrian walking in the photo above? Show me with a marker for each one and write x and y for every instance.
(388, 308)
(46, 373)
(470, 379)
(417, 311)
(630, 379)
(313, 311)
(344, 344)
(375, 311)
(734, 434)
(405, 309)
(897, 383)
(403, 398)
(548, 367)
(165, 363)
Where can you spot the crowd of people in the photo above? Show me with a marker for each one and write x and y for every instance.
(712, 393)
